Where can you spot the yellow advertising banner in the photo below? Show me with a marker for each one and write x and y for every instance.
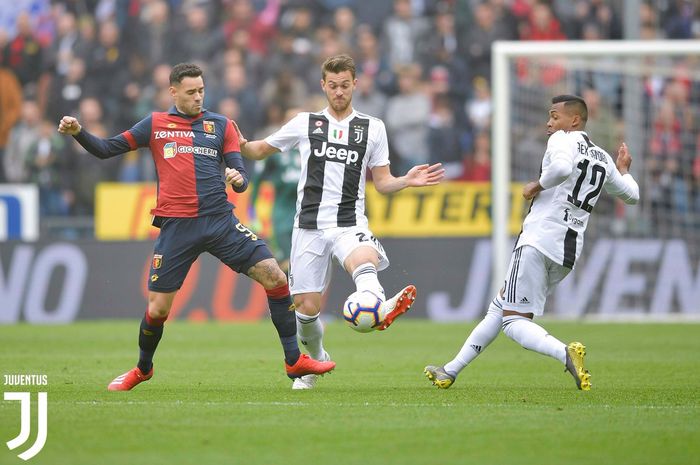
(123, 211)
(449, 209)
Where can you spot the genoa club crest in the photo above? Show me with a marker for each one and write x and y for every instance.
(157, 261)
(208, 127)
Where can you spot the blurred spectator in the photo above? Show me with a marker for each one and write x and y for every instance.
(22, 136)
(542, 25)
(370, 61)
(602, 124)
(46, 168)
(407, 116)
(66, 91)
(284, 88)
(666, 133)
(477, 166)
(367, 99)
(479, 107)
(602, 14)
(10, 109)
(61, 52)
(345, 25)
(481, 35)
(505, 18)
(287, 56)
(23, 54)
(90, 170)
(374, 13)
(198, 40)
(87, 37)
(249, 28)
(107, 67)
(151, 34)
(444, 138)
(403, 34)
(235, 85)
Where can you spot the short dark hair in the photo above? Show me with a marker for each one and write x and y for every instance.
(338, 64)
(575, 103)
(183, 70)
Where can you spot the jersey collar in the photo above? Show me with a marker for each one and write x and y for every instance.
(174, 111)
(328, 115)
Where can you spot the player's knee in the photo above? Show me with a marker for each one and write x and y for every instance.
(268, 274)
(158, 311)
(159, 306)
(277, 278)
(306, 306)
(274, 278)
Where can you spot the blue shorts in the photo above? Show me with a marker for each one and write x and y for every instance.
(182, 240)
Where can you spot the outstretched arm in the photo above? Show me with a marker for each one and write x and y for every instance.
(418, 176)
(255, 149)
(101, 148)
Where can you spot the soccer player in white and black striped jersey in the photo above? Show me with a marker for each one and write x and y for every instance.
(337, 145)
(573, 172)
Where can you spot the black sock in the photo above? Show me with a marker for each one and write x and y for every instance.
(150, 332)
(283, 317)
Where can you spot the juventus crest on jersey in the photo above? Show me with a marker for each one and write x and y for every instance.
(558, 216)
(334, 158)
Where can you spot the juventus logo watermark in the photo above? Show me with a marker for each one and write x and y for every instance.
(25, 413)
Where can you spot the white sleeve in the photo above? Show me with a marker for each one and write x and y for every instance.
(622, 186)
(379, 148)
(561, 161)
(287, 137)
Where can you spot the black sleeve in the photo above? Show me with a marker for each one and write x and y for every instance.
(235, 161)
(103, 148)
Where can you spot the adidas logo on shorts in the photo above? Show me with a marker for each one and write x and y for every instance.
(524, 300)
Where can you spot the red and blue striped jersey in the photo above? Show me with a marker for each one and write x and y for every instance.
(187, 152)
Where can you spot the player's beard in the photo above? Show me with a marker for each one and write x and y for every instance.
(339, 106)
(195, 109)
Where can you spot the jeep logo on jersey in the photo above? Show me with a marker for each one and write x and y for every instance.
(337, 153)
(170, 150)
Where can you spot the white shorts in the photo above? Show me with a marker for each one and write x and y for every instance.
(531, 277)
(314, 249)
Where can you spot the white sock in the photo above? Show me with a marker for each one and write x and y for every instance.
(310, 331)
(365, 277)
(480, 337)
(532, 336)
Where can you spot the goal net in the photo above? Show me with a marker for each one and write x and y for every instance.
(637, 260)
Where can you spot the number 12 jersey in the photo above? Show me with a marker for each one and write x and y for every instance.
(559, 215)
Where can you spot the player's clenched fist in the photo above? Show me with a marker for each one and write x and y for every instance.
(69, 125)
(233, 177)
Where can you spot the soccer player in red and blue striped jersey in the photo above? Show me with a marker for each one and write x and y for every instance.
(189, 144)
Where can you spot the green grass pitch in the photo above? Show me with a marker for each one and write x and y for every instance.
(219, 396)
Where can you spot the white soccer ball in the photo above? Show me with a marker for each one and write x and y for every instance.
(363, 311)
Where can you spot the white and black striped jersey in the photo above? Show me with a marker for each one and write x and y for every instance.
(559, 215)
(334, 158)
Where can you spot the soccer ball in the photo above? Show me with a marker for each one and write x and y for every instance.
(363, 311)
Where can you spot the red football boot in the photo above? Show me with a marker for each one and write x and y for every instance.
(308, 366)
(398, 305)
(128, 380)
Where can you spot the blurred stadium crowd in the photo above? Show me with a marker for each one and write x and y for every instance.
(423, 66)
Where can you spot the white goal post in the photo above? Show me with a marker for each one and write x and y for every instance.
(503, 55)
